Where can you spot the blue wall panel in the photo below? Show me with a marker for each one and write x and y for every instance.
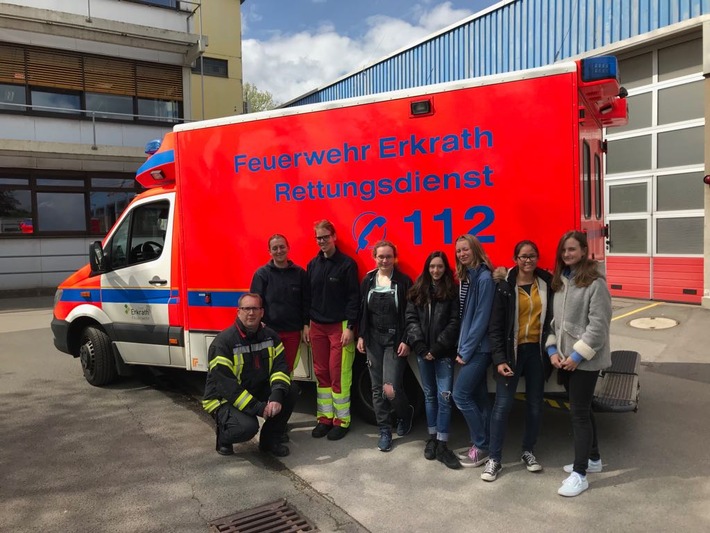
(518, 35)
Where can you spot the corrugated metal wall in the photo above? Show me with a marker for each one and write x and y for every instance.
(518, 35)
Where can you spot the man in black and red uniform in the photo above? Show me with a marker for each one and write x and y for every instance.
(248, 377)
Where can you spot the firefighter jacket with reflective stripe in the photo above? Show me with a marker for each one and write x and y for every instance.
(246, 370)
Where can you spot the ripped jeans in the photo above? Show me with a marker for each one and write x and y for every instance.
(437, 382)
(387, 372)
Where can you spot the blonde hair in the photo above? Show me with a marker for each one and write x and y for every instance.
(479, 256)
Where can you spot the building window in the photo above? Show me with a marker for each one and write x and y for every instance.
(680, 60)
(627, 198)
(679, 235)
(636, 71)
(55, 102)
(679, 103)
(626, 155)
(210, 66)
(676, 192)
(66, 203)
(158, 110)
(108, 105)
(42, 81)
(15, 209)
(680, 147)
(173, 4)
(13, 95)
(628, 236)
(58, 211)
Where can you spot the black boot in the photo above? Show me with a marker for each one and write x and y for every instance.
(222, 449)
(446, 456)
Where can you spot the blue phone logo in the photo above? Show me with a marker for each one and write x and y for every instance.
(367, 224)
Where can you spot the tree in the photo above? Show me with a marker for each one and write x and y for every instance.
(256, 100)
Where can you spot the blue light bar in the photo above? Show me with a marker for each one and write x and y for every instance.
(152, 146)
(599, 68)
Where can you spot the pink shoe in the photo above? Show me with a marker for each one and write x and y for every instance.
(475, 457)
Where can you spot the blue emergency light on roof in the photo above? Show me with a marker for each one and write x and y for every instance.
(599, 68)
(152, 146)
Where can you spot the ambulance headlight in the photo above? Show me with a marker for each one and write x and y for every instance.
(58, 296)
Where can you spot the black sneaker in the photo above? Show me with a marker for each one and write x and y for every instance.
(530, 462)
(337, 433)
(430, 449)
(321, 430)
(274, 448)
(404, 425)
(284, 438)
(491, 470)
(446, 456)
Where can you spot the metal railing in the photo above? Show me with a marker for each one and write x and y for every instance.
(123, 117)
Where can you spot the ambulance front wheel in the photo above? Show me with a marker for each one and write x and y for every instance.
(96, 358)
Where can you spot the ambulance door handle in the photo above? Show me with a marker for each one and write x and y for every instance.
(157, 281)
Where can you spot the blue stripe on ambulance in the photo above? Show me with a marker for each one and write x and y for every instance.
(160, 158)
(216, 299)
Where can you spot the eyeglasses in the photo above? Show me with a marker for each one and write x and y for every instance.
(525, 258)
(323, 238)
(250, 309)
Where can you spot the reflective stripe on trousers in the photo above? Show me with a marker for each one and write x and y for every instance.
(333, 366)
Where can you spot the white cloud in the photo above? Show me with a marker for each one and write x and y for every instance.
(289, 65)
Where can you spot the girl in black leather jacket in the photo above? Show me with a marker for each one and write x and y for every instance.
(432, 327)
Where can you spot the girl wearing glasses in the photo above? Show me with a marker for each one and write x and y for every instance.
(579, 347)
(433, 329)
(382, 337)
(520, 323)
(470, 392)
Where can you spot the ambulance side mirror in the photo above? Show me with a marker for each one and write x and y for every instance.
(97, 258)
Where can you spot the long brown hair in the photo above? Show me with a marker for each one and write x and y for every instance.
(420, 294)
(479, 256)
(585, 272)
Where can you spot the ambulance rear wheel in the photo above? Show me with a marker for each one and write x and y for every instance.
(96, 358)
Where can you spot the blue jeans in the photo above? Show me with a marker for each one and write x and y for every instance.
(471, 398)
(528, 364)
(437, 380)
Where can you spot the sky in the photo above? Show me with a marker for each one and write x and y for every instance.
(290, 47)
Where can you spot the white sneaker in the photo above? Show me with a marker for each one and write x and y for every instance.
(592, 466)
(574, 485)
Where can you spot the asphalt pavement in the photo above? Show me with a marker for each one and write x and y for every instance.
(139, 455)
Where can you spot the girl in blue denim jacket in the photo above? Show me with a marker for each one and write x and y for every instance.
(470, 393)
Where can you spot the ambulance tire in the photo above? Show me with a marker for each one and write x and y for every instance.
(97, 360)
(361, 392)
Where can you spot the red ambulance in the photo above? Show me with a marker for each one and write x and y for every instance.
(505, 157)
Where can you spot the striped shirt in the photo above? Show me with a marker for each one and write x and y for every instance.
(463, 293)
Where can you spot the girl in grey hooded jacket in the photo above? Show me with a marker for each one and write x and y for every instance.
(579, 347)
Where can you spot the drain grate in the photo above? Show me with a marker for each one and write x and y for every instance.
(275, 517)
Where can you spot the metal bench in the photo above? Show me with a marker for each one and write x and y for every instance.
(618, 386)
